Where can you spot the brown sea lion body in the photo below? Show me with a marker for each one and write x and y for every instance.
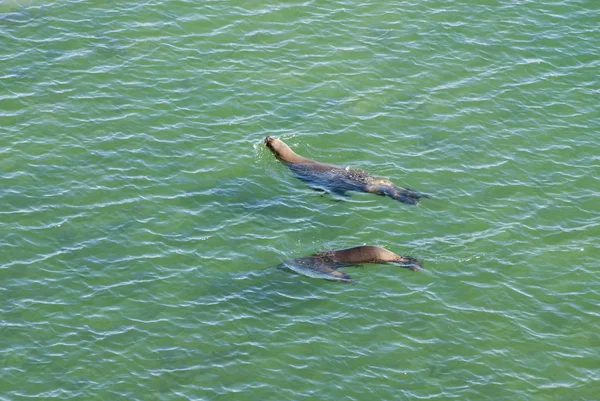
(325, 264)
(370, 254)
(338, 179)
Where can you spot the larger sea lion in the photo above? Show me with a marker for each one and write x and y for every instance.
(325, 264)
(339, 179)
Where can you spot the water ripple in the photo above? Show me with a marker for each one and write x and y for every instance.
(143, 219)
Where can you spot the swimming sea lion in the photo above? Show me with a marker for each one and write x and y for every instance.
(339, 179)
(325, 264)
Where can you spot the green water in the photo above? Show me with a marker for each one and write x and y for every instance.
(142, 219)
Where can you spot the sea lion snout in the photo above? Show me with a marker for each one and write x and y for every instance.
(270, 142)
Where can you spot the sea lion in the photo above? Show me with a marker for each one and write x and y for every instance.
(325, 264)
(339, 179)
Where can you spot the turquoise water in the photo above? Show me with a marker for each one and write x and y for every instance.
(142, 219)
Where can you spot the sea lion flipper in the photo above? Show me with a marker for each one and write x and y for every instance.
(337, 275)
(336, 191)
(315, 267)
(400, 194)
(393, 192)
(404, 199)
(411, 263)
(340, 192)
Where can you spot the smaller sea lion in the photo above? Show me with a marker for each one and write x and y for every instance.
(339, 179)
(325, 264)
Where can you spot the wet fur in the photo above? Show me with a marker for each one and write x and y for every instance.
(338, 179)
(327, 263)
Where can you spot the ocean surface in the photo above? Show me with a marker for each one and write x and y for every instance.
(142, 219)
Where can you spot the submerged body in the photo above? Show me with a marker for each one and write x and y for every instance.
(338, 179)
(325, 264)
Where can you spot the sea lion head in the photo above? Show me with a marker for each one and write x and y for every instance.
(274, 143)
(280, 149)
